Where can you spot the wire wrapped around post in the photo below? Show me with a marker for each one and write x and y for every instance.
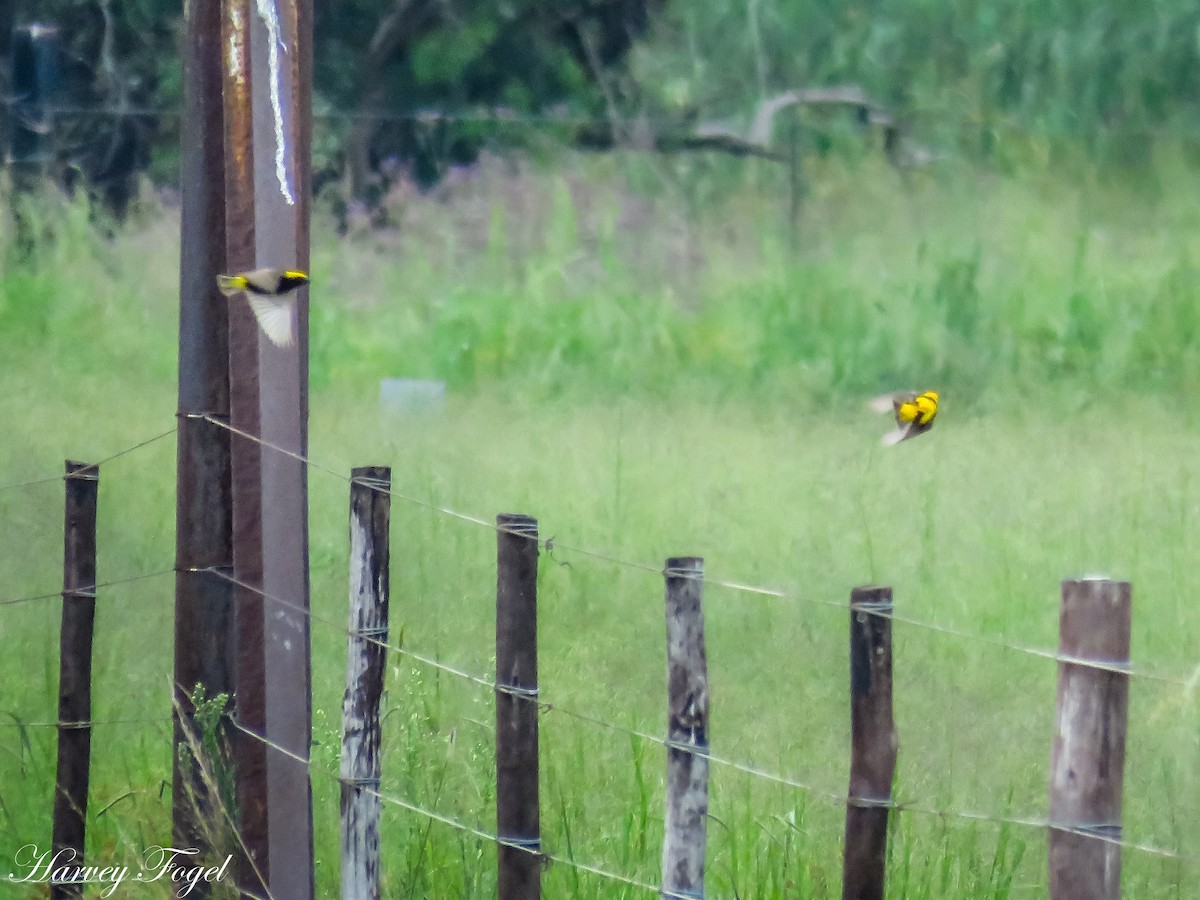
(366, 665)
(75, 670)
(1087, 766)
(518, 825)
(686, 836)
(873, 744)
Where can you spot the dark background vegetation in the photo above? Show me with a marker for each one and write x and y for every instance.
(418, 86)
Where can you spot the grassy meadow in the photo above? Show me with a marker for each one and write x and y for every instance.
(653, 367)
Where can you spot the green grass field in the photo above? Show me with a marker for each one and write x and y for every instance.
(649, 385)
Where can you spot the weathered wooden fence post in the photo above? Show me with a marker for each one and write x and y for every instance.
(75, 670)
(873, 743)
(1087, 766)
(685, 838)
(366, 663)
(517, 813)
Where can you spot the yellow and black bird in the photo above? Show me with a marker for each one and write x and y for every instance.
(268, 291)
(914, 413)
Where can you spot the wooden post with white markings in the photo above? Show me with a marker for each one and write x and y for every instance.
(366, 664)
(686, 826)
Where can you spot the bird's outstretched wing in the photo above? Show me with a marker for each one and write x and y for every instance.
(886, 403)
(275, 317)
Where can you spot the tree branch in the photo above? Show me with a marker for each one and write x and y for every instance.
(723, 138)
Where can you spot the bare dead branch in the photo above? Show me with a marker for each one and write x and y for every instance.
(757, 141)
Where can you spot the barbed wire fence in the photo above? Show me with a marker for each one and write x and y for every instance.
(548, 707)
(279, 227)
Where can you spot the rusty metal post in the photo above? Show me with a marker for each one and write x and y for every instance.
(366, 664)
(518, 821)
(873, 743)
(203, 505)
(75, 671)
(1087, 766)
(686, 827)
(250, 755)
(266, 90)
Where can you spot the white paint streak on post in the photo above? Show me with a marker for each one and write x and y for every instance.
(268, 12)
(235, 50)
(1087, 767)
(366, 663)
(685, 836)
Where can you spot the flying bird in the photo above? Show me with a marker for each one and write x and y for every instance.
(268, 291)
(914, 413)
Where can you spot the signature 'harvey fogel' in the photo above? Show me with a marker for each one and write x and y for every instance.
(165, 864)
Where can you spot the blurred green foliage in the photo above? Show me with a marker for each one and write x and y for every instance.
(963, 75)
(576, 286)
